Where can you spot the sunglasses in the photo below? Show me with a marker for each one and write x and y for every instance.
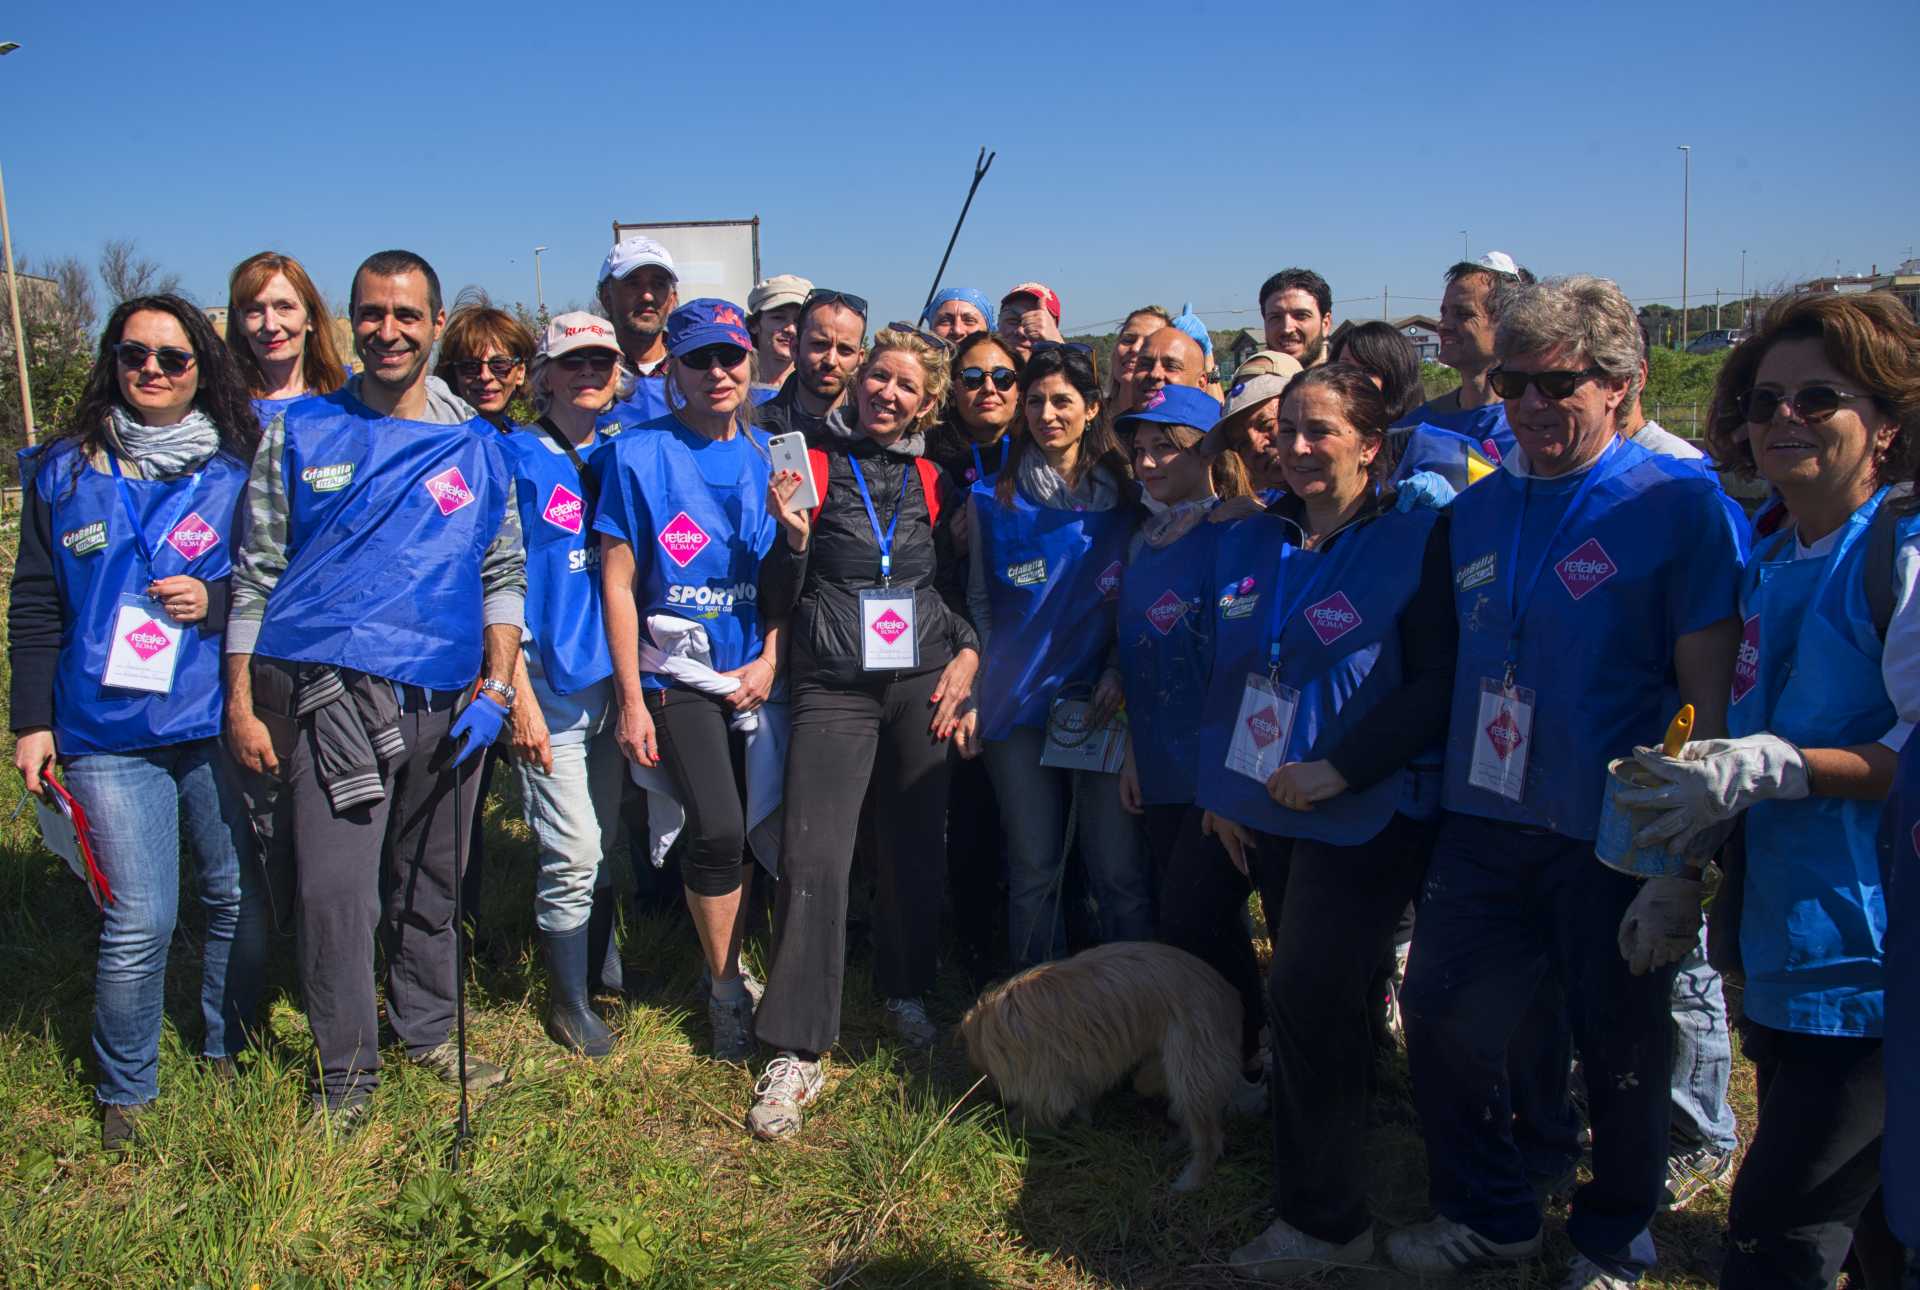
(1072, 347)
(975, 377)
(1814, 403)
(708, 357)
(1554, 385)
(133, 356)
(598, 360)
(822, 296)
(938, 342)
(502, 368)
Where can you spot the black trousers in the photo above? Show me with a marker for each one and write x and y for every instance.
(705, 760)
(1203, 901)
(1338, 913)
(976, 864)
(1814, 1163)
(843, 740)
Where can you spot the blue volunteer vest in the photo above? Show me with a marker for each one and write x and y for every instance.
(388, 522)
(265, 410)
(1339, 647)
(1900, 1152)
(698, 533)
(1165, 630)
(188, 524)
(1485, 427)
(1443, 452)
(1599, 630)
(564, 626)
(1053, 579)
(647, 404)
(1814, 922)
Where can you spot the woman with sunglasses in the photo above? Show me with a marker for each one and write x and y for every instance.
(881, 662)
(484, 355)
(115, 627)
(285, 349)
(1048, 540)
(684, 525)
(1824, 404)
(562, 735)
(983, 410)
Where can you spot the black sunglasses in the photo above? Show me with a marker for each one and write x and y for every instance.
(938, 342)
(975, 377)
(1814, 403)
(500, 367)
(823, 296)
(133, 356)
(1555, 385)
(599, 360)
(708, 357)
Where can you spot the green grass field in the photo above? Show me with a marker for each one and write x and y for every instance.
(635, 1170)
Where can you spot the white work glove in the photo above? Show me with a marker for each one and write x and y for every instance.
(1710, 782)
(1662, 924)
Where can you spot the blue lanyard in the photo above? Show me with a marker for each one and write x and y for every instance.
(980, 467)
(1517, 601)
(133, 516)
(884, 539)
(1284, 609)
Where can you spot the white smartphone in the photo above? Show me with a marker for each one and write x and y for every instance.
(789, 452)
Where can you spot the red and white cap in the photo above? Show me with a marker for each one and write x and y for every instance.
(1039, 291)
(577, 330)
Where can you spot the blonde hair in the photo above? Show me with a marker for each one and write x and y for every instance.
(936, 378)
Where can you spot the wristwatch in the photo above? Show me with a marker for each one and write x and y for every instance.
(499, 689)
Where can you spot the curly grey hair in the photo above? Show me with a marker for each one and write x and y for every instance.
(1587, 314)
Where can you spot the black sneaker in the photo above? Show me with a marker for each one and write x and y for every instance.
(119, 1125)
(1694, 1172)
(444, 1061)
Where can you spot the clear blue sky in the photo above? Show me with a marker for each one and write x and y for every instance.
(1165, 153)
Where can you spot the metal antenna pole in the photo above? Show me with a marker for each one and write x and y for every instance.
(980, 165)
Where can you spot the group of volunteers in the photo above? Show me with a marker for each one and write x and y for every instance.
(936, 626)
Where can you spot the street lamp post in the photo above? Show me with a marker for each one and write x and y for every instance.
(13, 296)
(539, 293)
(1463, 246)
(1743, 286)
(1686, 210)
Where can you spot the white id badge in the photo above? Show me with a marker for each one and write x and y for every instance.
(888, 641)
(145, 647)
(1262, 728)
(1502, 739)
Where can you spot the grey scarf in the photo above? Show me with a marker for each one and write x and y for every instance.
(841, 425)
(162, 452)
(1043, 486)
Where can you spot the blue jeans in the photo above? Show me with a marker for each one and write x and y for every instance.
(1034, 802)
(136, 803)
(1502, 907)
(574, 813)
(1702, 1057)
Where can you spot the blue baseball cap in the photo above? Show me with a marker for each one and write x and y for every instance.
(706, 321)
(1174, 405)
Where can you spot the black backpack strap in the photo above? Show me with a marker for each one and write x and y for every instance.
(1882, 539)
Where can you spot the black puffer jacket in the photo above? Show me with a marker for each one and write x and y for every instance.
(818, 591)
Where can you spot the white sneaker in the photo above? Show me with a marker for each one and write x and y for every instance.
(1440, 1247)
(782, 1089)
(1585, 1274)
(1249, 1095)
(1283, 1252)
(908, 1020)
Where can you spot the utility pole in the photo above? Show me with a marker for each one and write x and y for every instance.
(13, 297)
(1383, 304)
(539, 293)
(1716, 309)
(1463, 246)
(1743, 287)
(1686, 212)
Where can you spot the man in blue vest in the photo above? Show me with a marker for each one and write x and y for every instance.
(380, 578)
(638, 288)
(1467, 318)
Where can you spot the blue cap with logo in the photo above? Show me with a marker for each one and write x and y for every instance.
(706, 321)
(1174, 405)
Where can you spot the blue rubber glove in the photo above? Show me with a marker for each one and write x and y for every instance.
(479, 725)
(1424, 488)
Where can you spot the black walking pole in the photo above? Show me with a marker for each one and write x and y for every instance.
(984, 160)
(461, 1129)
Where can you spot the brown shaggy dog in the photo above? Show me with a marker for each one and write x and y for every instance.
(1057, 1036)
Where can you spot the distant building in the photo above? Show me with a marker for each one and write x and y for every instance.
(1243, 347)
(1903, 281)
(38, 297)
(1424, 332)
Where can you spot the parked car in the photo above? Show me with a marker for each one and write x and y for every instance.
(1712, 342)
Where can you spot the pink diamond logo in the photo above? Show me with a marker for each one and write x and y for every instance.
(1264, 726)
(1491, 449)
(1586, 568)
(889, 627)
(564, 510)
(1109, 581)
(682, 539)
(147, 640)
(193, 537)
(450, 491)
(1746, 664)
(1504, 731)
(1166, 611)
(1333, 617)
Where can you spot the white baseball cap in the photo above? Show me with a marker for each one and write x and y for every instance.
(577, 330)
(632, 253)
(1499, 262)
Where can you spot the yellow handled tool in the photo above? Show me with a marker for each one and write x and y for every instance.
(1679, 730)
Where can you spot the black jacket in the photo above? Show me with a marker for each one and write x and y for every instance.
(781, 414)
(950, 448)
(818, 591)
